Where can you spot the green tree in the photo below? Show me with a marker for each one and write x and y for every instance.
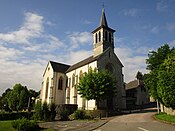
(96, 85)
(160, 81)
(154, 61)
(166, 81)
(4, 102)
(139, 75)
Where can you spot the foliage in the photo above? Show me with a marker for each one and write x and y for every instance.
(52, 111)
(25, 125)
(15, 115)
(165, 117)
(44, 111)
(80, 115)
(4, 102)
(17, 99)
(96, 85)
(166, 83)
(38, 111)
(139, 75)
(64, 115)
(160, 81)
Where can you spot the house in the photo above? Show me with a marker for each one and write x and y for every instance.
(59, 79)
(136, 94)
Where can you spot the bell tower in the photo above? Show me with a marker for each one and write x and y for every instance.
(103, 36)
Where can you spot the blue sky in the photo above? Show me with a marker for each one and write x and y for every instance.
(36, 31)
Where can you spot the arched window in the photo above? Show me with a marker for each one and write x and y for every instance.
(96, 38)
(109, 37)
(99, 36)
(73, 80)
(106, 36)
(47, 87)
(60, 83)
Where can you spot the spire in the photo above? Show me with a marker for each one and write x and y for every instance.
(103, 21)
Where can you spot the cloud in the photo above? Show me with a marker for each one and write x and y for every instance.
(130, 12)
(162, 6)
(132, 62)
(79, 38)
(170, 27)
(155, 29)
(86, 22)
(77, 56)
(31, 28)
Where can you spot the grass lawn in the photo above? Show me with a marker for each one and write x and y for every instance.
(165, 117)
(6, 126)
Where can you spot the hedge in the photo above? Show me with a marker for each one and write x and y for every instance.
(15, 115)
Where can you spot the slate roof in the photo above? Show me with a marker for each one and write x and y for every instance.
(83, 62)
(103, 23)
(133, 84)
(59, 67)
(103, 20)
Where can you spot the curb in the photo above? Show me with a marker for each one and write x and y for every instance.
(166, 122)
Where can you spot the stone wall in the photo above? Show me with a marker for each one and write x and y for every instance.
(167, 110)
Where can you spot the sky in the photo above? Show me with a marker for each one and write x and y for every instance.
(32, 32)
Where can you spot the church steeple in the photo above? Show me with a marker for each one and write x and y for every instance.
(103, 21)
(103, 36)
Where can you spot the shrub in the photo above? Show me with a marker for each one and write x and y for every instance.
(15, 115)
(45, 111)
(64, 115)
(80, 114)
(25, 125)
(52, 111)
(38, 111)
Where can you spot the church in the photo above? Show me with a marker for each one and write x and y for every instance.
(59, 80)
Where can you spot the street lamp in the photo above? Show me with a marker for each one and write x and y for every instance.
(28, 107)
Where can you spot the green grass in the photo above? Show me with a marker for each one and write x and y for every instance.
(6, 126)
(165, 117)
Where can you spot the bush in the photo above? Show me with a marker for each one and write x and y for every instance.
(52, 111)
(25, 125)
(45, 111)
(38, 111)
(64, 115)
(15, 115)
(80, 114)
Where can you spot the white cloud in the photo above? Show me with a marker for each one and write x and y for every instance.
(31, 28)
(87, 22)
(129, 12)
(155, 29)
(132, 63)
(162, 6)
(170, 27)
(80, 38)
(172, 43)
(76, 56)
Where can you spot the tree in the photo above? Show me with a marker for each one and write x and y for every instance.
(96, 85)
(4, 102)
(166, 81)
(155, 59)
(139, 75)
(160, 81)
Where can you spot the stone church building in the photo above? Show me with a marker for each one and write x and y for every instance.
(59, 79)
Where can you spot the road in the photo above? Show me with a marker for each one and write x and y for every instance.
(140, 121)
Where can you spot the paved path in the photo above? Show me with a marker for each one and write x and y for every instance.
(142, 121)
